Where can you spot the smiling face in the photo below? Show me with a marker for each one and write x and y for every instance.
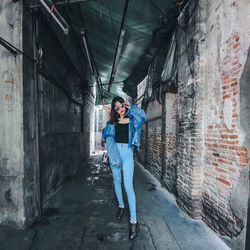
(120, 108)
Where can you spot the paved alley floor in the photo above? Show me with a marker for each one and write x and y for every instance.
(82, 215)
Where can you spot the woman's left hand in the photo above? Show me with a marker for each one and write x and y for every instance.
(107, 108)
(127, 104)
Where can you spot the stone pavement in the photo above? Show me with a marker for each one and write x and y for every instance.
(82, 216)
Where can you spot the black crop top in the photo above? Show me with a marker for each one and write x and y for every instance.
(121, 133)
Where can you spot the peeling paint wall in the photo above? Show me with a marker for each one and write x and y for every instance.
(64, 107)
(59, 138)
(170, 177)
(153, 143)
(245, 123)
(31, 182)
(11, 117)
(212, 122)
(226, 168)
(191, 49)
(45, 112)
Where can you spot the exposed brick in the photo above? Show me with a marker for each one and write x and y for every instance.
(233, 136)
(244, 160)
(227, 96)
(234, 83)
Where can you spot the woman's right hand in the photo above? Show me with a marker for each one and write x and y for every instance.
(127, 104)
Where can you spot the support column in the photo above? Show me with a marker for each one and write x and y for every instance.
(19, 161)
(11, 117)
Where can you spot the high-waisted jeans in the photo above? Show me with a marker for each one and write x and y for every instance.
(128, 171)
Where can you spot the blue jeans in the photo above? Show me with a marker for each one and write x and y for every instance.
(128, 172)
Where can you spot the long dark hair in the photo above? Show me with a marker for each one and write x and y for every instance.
(114, 116)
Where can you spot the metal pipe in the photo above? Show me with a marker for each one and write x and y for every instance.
(116, 59)
(56, 11)
(118, 48)
(65, 30)
(120, 42)
(8, 47)
(97, 78)
(14, 50)
(83, 33)
(65, 2)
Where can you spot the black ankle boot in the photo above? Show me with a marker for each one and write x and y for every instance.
(119, 213)
(133, 230)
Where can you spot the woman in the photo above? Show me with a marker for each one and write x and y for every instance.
(121, 133)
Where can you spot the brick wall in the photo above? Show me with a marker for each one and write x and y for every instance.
(226, 185)
(153, 143)
(154, 147)
(207, 160)
(190, 109)
(212, 176)
(158, 140)
(225, 157)
(170, 176)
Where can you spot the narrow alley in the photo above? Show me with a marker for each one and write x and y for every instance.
(124, 124)
(82, 216)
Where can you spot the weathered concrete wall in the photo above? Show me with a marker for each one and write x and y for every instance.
(11, 117)
(153, 143)
(212, 146)
(170, 176)
(45, 113)
(60, 134)
(99, 112)
(245, 123)
(226, 181)
(212, 141)
(89, 124)
(191, 48)
(64, 107)
(142, 154)
(31, 182)
(158, 138)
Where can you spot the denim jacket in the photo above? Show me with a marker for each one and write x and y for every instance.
(137, 118)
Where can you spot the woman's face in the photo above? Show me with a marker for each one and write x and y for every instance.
(120, 108)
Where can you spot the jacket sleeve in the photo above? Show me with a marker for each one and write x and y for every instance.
(108, 130)
(104, 133)
(108, 133)
(113, 152)
(138, 116)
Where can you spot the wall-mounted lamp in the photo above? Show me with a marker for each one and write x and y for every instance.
(83, 34)
(62, 23)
